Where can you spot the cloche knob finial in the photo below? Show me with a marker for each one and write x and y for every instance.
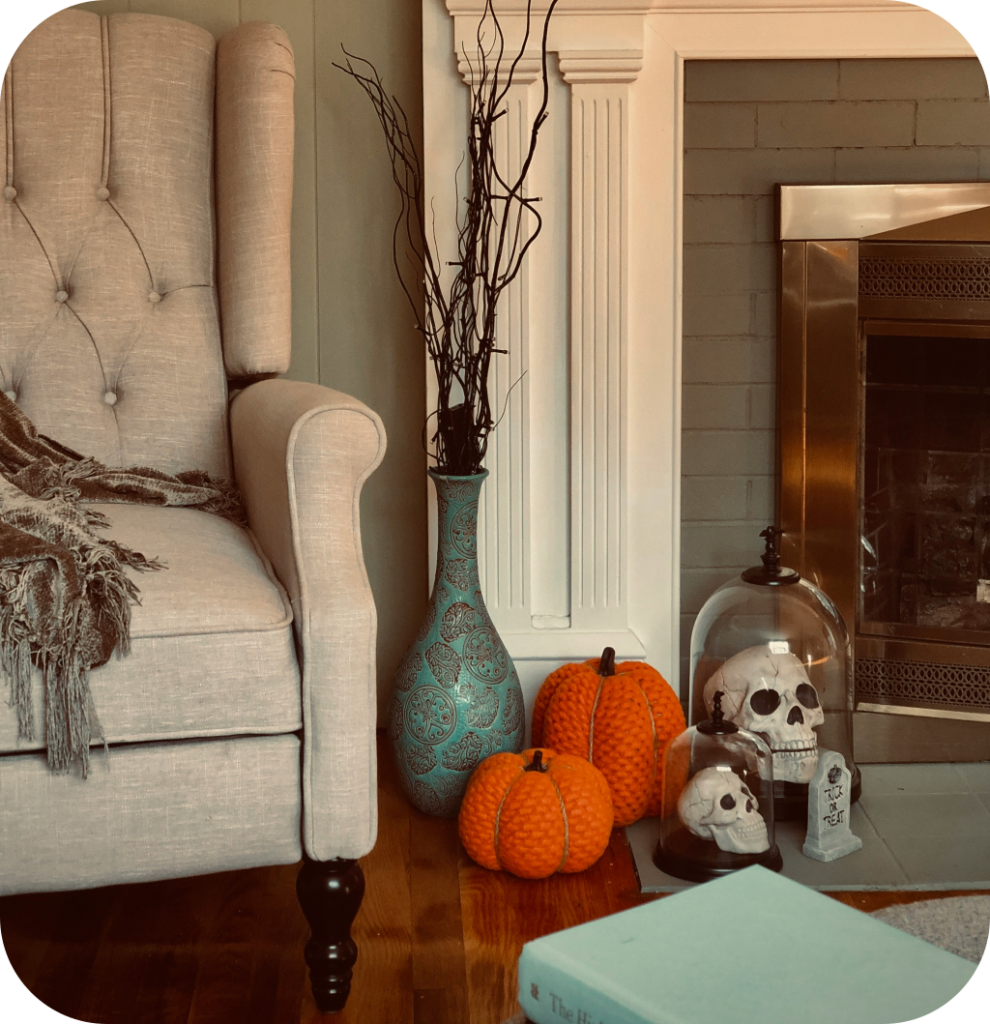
(770, 573)
(771, 557)
(717, 725)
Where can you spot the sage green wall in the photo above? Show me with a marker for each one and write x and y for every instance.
(351, 327)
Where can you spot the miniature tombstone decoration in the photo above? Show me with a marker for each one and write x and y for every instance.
(829, 833)
(717, 804)
(770, 693)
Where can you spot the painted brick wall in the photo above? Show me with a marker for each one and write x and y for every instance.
(750, 125)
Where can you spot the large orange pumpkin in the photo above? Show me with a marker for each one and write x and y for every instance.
(621, 718)
(535, 813)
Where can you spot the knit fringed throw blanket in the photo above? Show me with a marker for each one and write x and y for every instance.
(64, 596)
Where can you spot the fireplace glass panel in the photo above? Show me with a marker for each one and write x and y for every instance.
(925, 566)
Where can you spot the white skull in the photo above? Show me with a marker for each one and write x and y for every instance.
(771, 694)
(716, 804)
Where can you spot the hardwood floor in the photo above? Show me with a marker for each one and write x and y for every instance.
(438, 936)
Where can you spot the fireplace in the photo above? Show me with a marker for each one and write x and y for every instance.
(884, 449)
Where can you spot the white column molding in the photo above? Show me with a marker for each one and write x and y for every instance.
(621, 173)
(599, 329)
(505, 512)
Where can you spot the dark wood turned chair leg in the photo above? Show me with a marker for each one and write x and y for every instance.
(330, 894)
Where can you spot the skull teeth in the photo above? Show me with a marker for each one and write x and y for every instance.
(759, 826)
(801, 745)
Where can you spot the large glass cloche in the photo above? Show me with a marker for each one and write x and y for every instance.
(776, 648)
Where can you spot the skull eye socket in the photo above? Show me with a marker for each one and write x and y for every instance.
(727, 802)
(765, 702)
(807, 695)
(749, 806)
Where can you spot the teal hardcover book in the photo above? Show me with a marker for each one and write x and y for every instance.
(751, 948)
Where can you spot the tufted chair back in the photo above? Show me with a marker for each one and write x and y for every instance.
(126, 240)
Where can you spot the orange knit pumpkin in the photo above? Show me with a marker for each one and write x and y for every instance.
(621, 718)
(535, 813)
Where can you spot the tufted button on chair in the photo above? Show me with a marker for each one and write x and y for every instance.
(144, 269)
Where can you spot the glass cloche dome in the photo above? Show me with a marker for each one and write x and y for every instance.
(777, 649)
(717, 810)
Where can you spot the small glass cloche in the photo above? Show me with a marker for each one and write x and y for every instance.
(717, 810)
(776, 648)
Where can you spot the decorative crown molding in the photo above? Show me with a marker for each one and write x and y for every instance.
(528, 69)
(600, 65)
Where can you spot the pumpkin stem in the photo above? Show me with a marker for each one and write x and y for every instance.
(606, 666)
(536, 765)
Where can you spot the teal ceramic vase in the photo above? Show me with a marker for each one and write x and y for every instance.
(456, 697)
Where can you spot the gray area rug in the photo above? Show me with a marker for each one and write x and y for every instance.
(957, 923)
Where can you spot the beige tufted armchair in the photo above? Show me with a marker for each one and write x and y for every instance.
(144, 278)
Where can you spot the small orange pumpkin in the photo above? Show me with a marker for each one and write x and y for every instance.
(535, 813)
(621, 718)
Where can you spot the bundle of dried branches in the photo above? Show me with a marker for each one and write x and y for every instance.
(498, 225)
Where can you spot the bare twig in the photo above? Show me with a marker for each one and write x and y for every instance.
(496, 228)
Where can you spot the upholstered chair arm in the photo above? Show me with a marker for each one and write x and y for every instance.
(301, 455)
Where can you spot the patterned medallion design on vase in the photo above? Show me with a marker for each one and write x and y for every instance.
(421, 759)
(430, 715)
(458, 620)
(394, 714)
(444, 662)
(408, 670)
(495, 738)
(464, 531)
(482, 704)
(456, 697)
(513, 716)
(463, 755)
(485, 656)
(458, 572)
(428, 622)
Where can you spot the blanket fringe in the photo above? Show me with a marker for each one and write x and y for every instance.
(65, 595)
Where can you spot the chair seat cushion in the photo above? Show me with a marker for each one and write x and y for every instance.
(212, 651)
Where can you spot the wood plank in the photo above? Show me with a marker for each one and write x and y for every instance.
(116, 1000)
(167, 986)
(439, 971)
(26, 931)
(75, 939)
(25, 955)
(239, 925)
(222, 988)
(111, 985)
(870, 901)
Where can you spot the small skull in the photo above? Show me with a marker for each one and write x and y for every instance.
(771, 694)
(716, 804)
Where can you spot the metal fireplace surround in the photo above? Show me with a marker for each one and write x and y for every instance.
(884, 449)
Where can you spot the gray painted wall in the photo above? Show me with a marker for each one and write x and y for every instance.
(350, 322)
(748, 126)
